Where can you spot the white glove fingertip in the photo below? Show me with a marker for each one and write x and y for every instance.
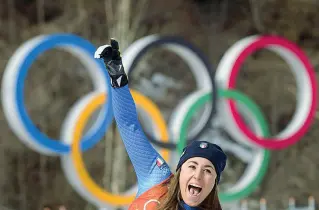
(99, 51)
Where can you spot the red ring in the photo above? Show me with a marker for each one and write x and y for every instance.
(273, 143)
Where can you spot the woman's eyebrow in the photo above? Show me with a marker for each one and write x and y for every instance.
(205, 166)
(209, 166)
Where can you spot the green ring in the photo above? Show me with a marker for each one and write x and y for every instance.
(255, 110)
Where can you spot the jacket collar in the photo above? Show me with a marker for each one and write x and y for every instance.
(184, 206)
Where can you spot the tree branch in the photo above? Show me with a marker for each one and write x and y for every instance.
(255, 6)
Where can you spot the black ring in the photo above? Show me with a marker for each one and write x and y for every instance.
(182, 42)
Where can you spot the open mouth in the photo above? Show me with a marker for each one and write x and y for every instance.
(194, 190)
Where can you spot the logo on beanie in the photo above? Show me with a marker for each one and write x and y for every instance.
(183, 153)
(203, 145)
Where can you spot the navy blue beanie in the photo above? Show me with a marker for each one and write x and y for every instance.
(204, 149)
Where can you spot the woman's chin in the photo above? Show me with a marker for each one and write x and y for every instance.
(192, 200)
(191, 203)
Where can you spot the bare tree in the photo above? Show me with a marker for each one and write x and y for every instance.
(11, 17)
(124, 24)
(256, 11)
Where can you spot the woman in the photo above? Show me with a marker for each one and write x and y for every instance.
(194, 186)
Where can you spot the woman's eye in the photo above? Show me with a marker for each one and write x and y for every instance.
(192, 167)
(208, 171)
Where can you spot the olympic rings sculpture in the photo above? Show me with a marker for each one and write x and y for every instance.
(301, 68)
(212, 91)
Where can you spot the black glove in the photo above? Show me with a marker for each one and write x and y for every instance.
(113, 63)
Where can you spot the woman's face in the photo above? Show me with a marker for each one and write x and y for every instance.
(196, 181)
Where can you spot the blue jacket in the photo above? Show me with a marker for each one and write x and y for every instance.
(150, 168)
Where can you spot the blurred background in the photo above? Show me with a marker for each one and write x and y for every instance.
(56, 80)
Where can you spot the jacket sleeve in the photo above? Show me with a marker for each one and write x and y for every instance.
(149, 166)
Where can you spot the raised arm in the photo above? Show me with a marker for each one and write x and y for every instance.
(150, 167)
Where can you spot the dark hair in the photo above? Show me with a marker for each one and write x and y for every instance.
(53, 206)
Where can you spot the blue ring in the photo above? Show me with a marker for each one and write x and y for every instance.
(53, 145)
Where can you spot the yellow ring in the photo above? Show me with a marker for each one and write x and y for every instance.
(154, 112)
(76, 155)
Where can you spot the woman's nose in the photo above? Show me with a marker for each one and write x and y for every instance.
(198, 174)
